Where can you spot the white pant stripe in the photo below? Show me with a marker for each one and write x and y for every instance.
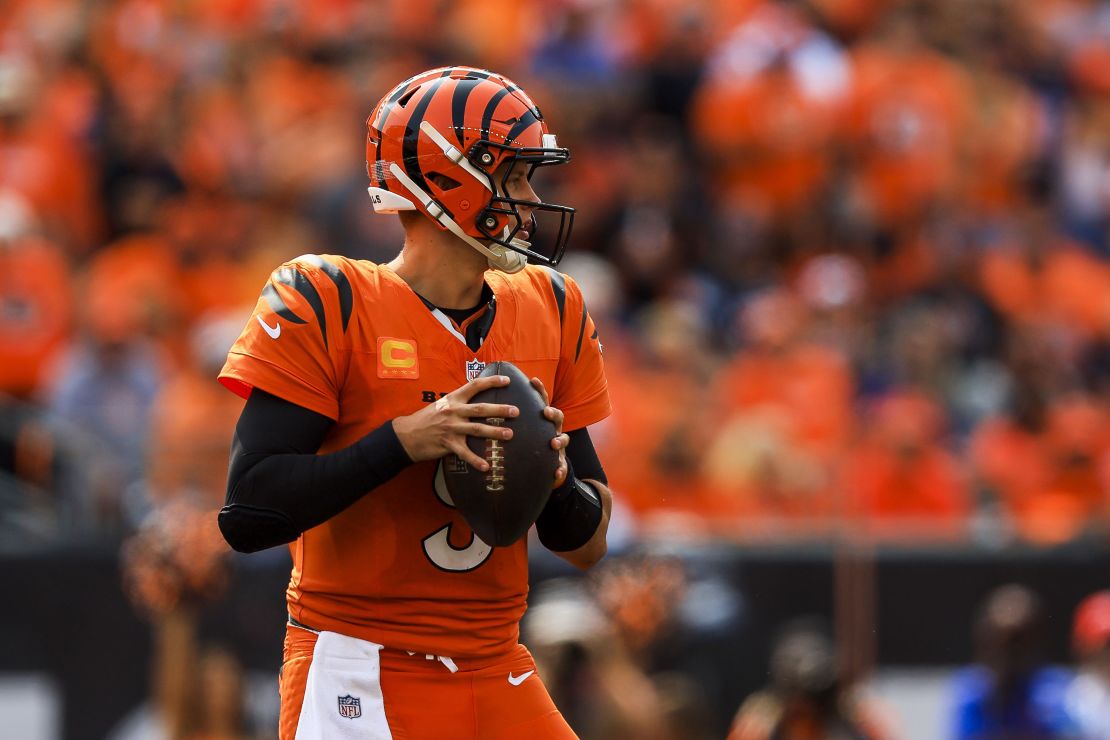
(343, 694)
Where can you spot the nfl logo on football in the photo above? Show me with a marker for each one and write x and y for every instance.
(474, 368)
(350, 707)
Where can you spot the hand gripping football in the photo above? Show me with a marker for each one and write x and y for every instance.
(501, 503)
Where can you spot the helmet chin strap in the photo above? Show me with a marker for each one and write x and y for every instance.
(498, 257)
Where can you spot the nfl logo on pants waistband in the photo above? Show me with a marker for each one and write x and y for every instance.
(350, 707)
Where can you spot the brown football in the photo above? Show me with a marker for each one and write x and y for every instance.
(502, 503)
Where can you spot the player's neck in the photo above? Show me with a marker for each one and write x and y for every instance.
(441, 268)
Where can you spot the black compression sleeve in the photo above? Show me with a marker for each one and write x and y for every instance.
(278, 486)
(582, 455)
(573, 512)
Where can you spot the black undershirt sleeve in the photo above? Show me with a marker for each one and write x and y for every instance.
(278, 486)
(583, 457)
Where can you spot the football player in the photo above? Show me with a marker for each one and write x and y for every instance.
(358, 379)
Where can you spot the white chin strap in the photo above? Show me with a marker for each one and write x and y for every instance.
(498, 257)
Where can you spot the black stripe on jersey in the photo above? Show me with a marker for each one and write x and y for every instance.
(581, 333)
(491, 106)
(559, 288)
(342, 284)
(298, 282)
(526, 121)
(277, 305)
(409, 151)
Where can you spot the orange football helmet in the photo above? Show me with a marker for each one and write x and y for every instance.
(435, 142)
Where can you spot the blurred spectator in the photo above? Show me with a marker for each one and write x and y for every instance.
(174, 567)
(787, 406)
(36, 299)
(769, 113)
(781, 368)
(663, 410)
(192, 421)
(1047, 466)
(101, 390)
(899, 478)
(1010, 692)
(595, 648)
(1089, 694)
(807, 698)
(910, 106)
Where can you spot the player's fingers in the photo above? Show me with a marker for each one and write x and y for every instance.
(486, 431)
(478, 385)
(486, 410)
(560, 472)
(560, 442)
(538, 385)
(467, 455)
(555, 416)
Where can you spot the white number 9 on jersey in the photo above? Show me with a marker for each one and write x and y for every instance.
(438, 547)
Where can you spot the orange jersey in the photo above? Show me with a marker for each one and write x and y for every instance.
(349, 339)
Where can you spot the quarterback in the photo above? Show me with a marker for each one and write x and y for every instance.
(359, 378)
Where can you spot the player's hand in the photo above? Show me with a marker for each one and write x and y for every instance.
(442, 427)
(559, 441)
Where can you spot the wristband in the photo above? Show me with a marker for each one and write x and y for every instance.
(571, 515)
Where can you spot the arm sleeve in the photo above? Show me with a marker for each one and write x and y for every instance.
(582, 456)
(278, 487)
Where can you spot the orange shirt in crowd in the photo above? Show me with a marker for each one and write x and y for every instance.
(1064, 283)
(769, 135)
(1050, 480)
(909, 116)
(761, 482)
(899, 477)
(1007, 126)
(192, 420)
(652, 444)
(55, 175)
(809, 383)
(133, 288)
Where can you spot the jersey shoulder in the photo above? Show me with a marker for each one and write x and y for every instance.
(548, 286)
(328, 283)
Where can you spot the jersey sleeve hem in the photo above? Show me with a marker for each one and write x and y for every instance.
(244, 372)
(589, 412)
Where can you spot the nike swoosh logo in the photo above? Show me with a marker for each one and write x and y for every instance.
(273, 331)
(518, 680)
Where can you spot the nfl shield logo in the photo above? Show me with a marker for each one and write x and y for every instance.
(350, 707)
(474, 368)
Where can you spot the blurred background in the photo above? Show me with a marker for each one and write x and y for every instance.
(849, 261)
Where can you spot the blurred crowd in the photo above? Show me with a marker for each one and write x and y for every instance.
(848, 257)
(608, 645)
